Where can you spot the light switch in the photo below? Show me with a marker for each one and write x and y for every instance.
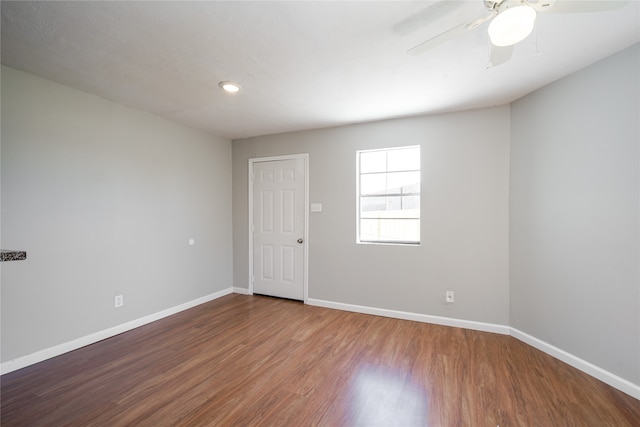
(316, 207)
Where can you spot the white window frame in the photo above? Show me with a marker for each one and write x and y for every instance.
(359, 196)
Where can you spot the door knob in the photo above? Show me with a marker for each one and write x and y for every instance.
(300, 240)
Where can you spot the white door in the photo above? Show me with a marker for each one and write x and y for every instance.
(279, 227)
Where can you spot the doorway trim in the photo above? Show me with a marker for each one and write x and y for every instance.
(305, 248)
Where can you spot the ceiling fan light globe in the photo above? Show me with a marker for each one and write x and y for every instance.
(512, 25)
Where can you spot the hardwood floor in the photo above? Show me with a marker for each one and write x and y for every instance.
(251, 360)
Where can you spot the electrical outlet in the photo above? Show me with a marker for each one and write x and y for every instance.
(449, 297)
(118, 301)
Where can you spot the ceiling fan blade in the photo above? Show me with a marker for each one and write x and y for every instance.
(499, 55)
(448, 35)
(576, 6)
(427, 16)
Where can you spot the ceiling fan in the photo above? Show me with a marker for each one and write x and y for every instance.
(512, 21)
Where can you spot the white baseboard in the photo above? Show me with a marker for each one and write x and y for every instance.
(242, 291)
(404, 315)
(48, 353)
(606, 377)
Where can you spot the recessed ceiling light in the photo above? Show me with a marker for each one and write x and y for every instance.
(230, 87)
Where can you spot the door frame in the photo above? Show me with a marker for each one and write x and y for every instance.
(305, 247)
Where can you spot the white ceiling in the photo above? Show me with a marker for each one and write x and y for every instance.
(302, 65)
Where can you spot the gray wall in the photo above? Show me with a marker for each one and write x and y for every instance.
(575, 214)
(464, 215)
(103, 199)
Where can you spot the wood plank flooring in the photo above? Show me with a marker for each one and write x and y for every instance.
(259, 361)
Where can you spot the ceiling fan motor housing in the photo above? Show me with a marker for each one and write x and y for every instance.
(501, 5)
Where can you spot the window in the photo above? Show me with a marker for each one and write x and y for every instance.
(389, 195)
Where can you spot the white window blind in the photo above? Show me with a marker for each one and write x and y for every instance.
(389, 195)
